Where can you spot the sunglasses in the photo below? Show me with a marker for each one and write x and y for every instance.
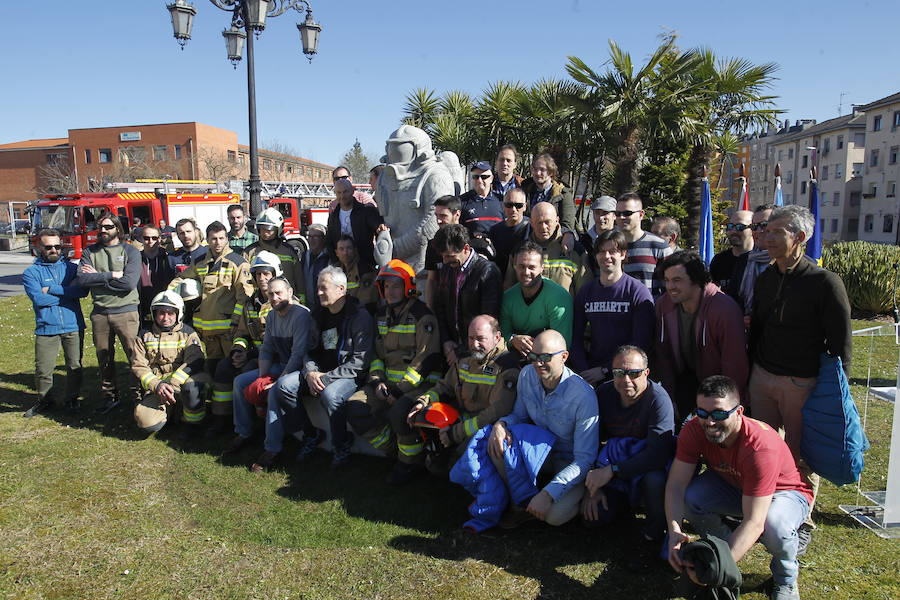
(542, 357)
(625, 213)
(52, 246)
(737, 227)
(715, 415)
(514, 204)
(151, 238)
(483, 176)
(761, 226)
(107, 227)
(632, 373)
(339, 177)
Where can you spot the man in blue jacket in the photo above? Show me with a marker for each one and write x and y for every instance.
(554, 398)
(50, 284)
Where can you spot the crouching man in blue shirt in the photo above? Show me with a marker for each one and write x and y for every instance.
(554, 398)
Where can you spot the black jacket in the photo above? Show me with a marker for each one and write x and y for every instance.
(480, 293)
(364, 220)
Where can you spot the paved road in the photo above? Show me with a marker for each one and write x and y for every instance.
(12, 264)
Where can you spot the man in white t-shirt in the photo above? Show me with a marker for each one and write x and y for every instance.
(356, 220)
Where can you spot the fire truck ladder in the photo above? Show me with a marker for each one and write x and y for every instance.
(297, 189)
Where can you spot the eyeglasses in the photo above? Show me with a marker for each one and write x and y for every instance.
(542, 357)
(52, 246)
(339, 177)
(483, 176)
(514, 204)
(737, 227)
(761, 226)
(108, 227)
(632, 373)
(151, 238)
(716, 415)
(625, 213)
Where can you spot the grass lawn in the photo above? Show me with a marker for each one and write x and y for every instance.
(91, 509)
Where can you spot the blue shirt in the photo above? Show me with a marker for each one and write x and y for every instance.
(570, 413)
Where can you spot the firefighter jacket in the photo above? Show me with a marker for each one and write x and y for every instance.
(251, 324)
(290, 262)
(483, 391)
(225, 285)
(362, 287)
(166, 356)
(568, 270)
(407, 348)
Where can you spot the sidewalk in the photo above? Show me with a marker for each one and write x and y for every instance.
(16, 257)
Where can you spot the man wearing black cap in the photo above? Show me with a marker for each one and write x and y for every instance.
(481, 208)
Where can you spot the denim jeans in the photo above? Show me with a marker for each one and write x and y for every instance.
(244, 413)
(709, 497)
(333, 398)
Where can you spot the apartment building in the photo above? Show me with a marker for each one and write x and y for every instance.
(879, 170)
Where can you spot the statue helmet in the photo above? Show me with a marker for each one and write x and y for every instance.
(412, 135)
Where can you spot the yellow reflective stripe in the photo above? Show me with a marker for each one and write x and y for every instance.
(352, 285)
(434, 377)
(395, 376)
(383, 329)
(556, 263)
(191, 416)
(479, 378)
(412, 376)
(239, 343)
(221, 396)
(179, 376)
(202, 271)
(411, 449)
(286, 257)
(157, 344)
(382, 438)
(432, 396)
(238, 309)
(211, 324)
(470, 425)
(146, 379)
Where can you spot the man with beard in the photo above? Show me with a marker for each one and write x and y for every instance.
(740, 239)
(512, 231)
(111, 269)
(156, 273)
(50, 285)
(239, 237)
(750, 475)
(360, 285)
(534, 304)
(447, 211)
(192, 250)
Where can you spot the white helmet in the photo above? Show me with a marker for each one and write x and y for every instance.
(271, 217)
(266, 260)
(189, 289)
(168, 299)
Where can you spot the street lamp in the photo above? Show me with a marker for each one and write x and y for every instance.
(247, 20)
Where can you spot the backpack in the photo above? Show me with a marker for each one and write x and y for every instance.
(833, 441)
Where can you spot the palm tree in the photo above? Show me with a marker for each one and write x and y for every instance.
(421, 109)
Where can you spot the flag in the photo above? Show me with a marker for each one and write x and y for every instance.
(706, 223)
(744, 198)
(814, 244)
(779, 197)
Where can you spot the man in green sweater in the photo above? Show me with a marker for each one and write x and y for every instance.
(535, 303)
(111, 269)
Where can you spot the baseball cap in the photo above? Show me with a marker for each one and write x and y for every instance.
(607, 203)
(482, 165)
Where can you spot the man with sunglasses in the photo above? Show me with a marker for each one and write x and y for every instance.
(551, 396)
(749, 266)
(513, 230)
(739, 232)
(111, 269)
(750, 475)
(50, 285)
(481, 209)
(156, 273)
(629, 474)
(342, 173)
(645, 250)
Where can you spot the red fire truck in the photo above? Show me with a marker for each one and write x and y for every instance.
(75, 215)
(300, 213)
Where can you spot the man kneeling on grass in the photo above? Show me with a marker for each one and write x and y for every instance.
(750, 475)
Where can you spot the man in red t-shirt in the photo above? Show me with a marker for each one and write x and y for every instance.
(750, 475)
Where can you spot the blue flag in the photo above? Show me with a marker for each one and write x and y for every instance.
(779, 197)
(814, 245)
(707, 249)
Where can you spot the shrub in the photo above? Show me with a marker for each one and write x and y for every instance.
(868, 271)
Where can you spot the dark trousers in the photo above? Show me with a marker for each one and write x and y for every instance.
(106, 327)
(652, 492)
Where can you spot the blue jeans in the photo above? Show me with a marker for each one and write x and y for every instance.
(709, 497)
(333, 398)
(244, 413)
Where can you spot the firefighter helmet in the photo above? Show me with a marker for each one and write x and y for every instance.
(266, 260)
(397, 268)
(168, 299)
(437, 416)
(189, 289)
(271, 217)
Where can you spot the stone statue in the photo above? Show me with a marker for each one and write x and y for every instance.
(457, 172)
(412, 180)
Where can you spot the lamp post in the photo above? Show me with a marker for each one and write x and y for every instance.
(248, 18)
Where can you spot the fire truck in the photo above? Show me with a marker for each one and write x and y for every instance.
(302, 204)
(75, 215)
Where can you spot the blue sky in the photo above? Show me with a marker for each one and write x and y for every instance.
(99, 63)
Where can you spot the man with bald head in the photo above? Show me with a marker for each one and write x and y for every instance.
(567, 268)
(352, 218)
(552, 397)
(740, 242)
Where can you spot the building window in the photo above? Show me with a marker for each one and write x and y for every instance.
(177, 149)
(802, 187)
(55, 158)
(290, 169)
(838, 171)
(892, 156)
(104, 155)
(789, 178)
(780, 154)
(823, 198)
(859, 139)
(267, 164)
(159, 153)
(827, 144)
(891, 189)
(834, 225)
(837, 199)
(804, 161)
(824, 172)
(873, 158)
(876, 123)
(896, 122)
(87, 157)
(133, 154)
(840, 142)
(232, 156)
(873, 190)
(790, 153)
(888, 225)
(869, 223)
(857, 169)
(855, 198)
(241, 159)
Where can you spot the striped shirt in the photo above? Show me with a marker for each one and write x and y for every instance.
(643, 256)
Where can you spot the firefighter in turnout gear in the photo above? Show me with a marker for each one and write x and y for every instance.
(247, 338)
(225, 285)
(270, 227)
(360, 286)
(168, 362)
(407, 362)
(482, 387)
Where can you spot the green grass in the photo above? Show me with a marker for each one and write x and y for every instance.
(91, 509)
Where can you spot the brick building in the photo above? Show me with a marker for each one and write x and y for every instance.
(87, 158)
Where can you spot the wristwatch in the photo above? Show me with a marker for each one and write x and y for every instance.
(615, 469)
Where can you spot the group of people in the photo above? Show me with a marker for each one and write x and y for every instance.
(551, 372)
